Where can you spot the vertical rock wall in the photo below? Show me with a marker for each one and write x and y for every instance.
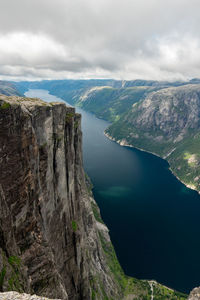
(49, 239)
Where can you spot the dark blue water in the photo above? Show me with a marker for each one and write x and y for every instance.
(154, 220)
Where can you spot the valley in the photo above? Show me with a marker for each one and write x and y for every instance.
(152, 217)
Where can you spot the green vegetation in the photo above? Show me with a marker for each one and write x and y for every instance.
(69, 117)
(96, 212)
(76, 124)
(138, 289)
(161, 292)
(111, 103)
(74, 226)
(185, 161)
(113, 262)
(5, 105)
(2, 277)
(146, 127)
(13, 282)
(128, 286)
(57, 138)
(183, 156)
(14, 261)
(121, 130)
(97, 289)
(10, 274)
(89, 184)
(43, 146)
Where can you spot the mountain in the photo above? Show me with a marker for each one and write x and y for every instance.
(106, 98)
(111, 103)
(72, 90)
(50, 242)
(9, 89)
(66, 89)
(52, 239)
(166, 123)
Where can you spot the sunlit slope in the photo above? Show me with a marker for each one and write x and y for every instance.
(167, 123)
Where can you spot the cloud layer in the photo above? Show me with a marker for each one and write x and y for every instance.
(126, 39)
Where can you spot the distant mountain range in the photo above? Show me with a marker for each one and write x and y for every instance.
(159, 117)
(8, 89)
(167, 123)
(53, 241)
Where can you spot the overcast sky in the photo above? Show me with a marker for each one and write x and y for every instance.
(122, 39)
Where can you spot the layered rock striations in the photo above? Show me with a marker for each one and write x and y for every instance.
(49, 238)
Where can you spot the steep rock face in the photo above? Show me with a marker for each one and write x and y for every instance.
(166, 123)
(49, 238)
(195, 294)
(171, 111)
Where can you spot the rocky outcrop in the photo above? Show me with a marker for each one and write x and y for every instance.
(17, 296)
(195, 294)
(166, 123)
(49, 238)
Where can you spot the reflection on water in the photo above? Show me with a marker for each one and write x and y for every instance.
(115, 191)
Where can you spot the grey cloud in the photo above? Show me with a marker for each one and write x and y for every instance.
(126, 39)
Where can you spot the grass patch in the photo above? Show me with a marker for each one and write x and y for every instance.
(2, 277)
(69, 117)
(74, 226)
(162, 292)
(14, 261)
(5, 105)
(96, 212)
(10, 274)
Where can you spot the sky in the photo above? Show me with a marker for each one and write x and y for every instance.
(120, 39)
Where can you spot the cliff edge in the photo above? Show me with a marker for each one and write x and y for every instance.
(49, 238)
(53, 242)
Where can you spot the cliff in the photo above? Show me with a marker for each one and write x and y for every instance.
(53, 242)
(49, 241)
(167, 123)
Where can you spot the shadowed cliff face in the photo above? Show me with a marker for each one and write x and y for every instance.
(49, 238)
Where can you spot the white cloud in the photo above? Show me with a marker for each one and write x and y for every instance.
(103, 38)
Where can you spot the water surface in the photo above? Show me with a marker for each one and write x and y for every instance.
(153, 218)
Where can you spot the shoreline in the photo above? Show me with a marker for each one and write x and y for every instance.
(125, 144)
